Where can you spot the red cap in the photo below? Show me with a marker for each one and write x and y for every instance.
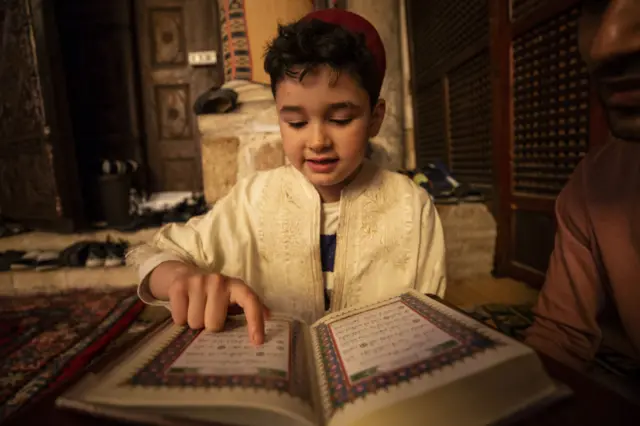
(356, 24)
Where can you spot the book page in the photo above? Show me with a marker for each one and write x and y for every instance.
(406, 346)
(195, 368)
(231, 354)
(385, 339)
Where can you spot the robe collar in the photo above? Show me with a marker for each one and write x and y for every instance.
(365, 178)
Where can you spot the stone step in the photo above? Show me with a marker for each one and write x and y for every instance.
(14, 283)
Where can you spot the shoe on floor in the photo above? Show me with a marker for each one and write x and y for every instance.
(47, 261)
(115, 253)
(8, 257)
(75, 256)
(29, 260)
(97, 255)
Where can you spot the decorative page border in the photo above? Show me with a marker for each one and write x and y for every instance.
(153, 372)
(342, 392)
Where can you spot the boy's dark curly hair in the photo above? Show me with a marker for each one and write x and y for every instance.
(308, 44)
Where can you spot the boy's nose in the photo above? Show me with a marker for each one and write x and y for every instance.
(319, 140)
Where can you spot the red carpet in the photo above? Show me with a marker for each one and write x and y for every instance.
(45, 339)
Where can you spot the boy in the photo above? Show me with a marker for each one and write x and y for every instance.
(326, 232)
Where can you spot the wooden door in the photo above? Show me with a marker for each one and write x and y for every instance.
(167, 31)
(449, 45)
(545, 118)
(38, 171)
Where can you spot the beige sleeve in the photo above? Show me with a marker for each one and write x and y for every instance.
(431, 272)
(144, 293)
(217, 241)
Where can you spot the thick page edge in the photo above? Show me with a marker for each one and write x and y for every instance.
(314, 381)
(73, 401)
(455, 404)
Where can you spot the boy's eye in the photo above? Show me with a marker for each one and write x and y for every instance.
(297, 124)
(342, 122)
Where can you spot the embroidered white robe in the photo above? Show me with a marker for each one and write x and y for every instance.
(266, 231)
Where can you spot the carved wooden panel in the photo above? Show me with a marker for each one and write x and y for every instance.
(174, 114)
(431, 142)
(522, 8)
(27, 186)
(470, 120)
(167, 35)
(551, 106)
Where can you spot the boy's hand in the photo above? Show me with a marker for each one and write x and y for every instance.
(202, 300)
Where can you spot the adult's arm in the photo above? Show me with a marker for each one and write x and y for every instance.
(566, 325)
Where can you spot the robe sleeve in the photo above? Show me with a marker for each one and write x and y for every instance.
(217, 241)
(565, 325)
(431, 271)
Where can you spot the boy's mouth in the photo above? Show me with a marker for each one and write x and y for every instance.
(322, 160)
(322, 165)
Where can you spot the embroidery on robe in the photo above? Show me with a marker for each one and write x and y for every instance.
(284, 230)
(387, 219)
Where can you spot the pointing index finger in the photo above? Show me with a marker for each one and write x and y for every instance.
(254, 311)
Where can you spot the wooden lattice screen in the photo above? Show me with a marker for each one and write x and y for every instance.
(451, 90)
(551, 106)
(470, 121)
(444, 28)
(542, 84)
(508, 106)
(522, 8)
(431, 126)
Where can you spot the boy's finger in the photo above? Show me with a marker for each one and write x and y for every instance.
(197, 303)
(215, 313)
(178, 303)
(253, 310)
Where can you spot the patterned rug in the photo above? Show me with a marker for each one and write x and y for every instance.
(45, 339)
(513, 320)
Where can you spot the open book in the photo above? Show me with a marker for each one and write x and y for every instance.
(408, 360)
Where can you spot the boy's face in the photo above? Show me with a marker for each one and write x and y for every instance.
(326, 122)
